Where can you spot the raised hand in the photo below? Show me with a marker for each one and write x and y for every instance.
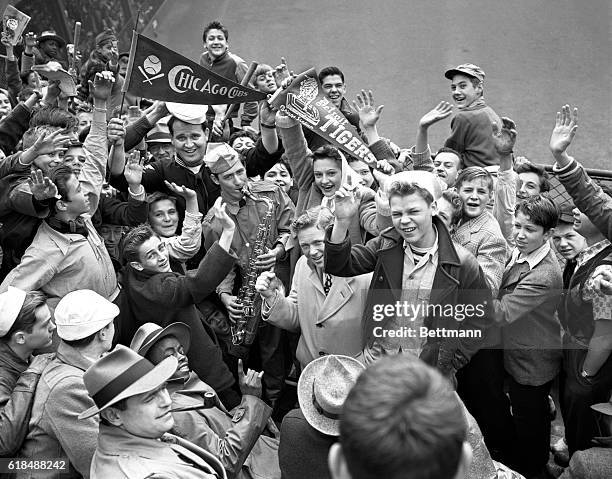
(221, 214)
(102, 85)
(234, 308)
(268, 260)
(29, 42)
(267, 284)
(566, 125)
(133, 169)
(250, 383)
(441, 111)
(368, 113)
(267, 114)
(41, 186)
(346, 201)
(115, 131)
(281, 72)
(504, 138)
(182, 190)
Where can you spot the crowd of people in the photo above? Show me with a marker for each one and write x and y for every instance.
(168, 278)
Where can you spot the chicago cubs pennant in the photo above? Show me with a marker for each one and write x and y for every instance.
(158, 73)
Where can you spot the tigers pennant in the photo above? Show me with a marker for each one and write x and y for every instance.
(158, 73)
(305, 102)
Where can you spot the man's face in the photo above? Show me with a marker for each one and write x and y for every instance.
(50, 48)
(312, 242)
(327, 176)
(42, 331)
(190, 142)
(153, 256)
(233, 181)
(163, 218)
(266, 82)
(463, 91)
(279, 175)
(112, 235)
(75, 158)
(242, 144)
(475, 195)
(161, 151)
(568, 242)
(77, 202)
(216, 43)
(446, 166)
(527, 235)
(170, 346)
(334, 88)
(529, 185)
(412, 218)
(109, 50)
(85, 118)
(148, 415)
(363, 170)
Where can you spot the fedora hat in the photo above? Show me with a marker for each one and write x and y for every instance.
(121, 374)
(51, 35)
(149, 333)
(322, 389)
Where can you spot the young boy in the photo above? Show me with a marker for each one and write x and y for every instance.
(531, 333)
(471, 130)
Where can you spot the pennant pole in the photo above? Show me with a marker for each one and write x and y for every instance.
(230, 109)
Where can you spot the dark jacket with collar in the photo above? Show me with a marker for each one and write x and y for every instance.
(165, 298)
(458, 280)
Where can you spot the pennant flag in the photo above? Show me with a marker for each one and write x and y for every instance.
(305, 102)
(159, 73)
(54, 71)
(14, 23)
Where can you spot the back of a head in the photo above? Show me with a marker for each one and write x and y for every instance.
(402, 420)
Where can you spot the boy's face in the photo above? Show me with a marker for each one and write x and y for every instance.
(527, 235)
(475, 195)
(42, 330)
(446, 166)
(529, 185)
(334, 89)
(232, 182)
(153, 257)
(242, 144)
(265, 82)
(216, 43)
(463, 91)
(279, 175)
(568, 242)
(50, 47)
(412, 218)
(583, 225)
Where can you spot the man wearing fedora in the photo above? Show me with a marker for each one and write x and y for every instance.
(85, 327)
(135, 411)
(235, 437)
(50, 47)
(308, 433)
(25, 326)
(159, 144)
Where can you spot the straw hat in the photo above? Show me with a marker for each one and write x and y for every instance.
(322, 389)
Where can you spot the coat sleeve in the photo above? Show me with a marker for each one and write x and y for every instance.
(186, 245)
(93, 172)
(282, 311)
(258, 160)
(248, 422)
(298, 154)
(456, 140)
(492, 254)
(13, 126)
(343, 260)
(368, 218)
(78, 438)
(129, 213)
(505, 202)
(34, 271)
(588, 197)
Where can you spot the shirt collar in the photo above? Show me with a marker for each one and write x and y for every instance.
(532, 259)
(430, 252)
(593, 250)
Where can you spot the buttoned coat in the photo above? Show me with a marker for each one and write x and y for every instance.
(531, 333)
(458, 280)
(329, 324)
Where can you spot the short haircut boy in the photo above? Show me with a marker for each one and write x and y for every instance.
(474, 173)
(540, 210)
(529, 167)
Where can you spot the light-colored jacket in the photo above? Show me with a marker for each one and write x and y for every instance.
(120, 455)
(329, 324)
(55, 430)
(232, 437)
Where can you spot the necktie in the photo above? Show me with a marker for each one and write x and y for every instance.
(327, 284)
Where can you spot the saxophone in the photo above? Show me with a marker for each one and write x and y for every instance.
(245, 329)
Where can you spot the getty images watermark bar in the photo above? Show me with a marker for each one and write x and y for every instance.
(19, 464)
